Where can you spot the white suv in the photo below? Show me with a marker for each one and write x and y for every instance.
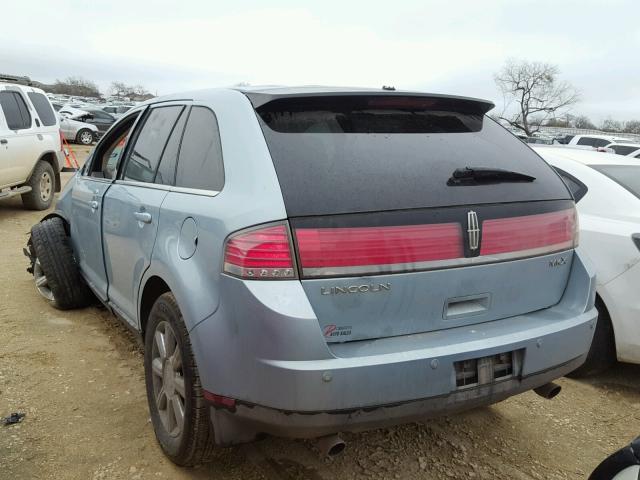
(31, 154)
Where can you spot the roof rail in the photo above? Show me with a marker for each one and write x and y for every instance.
(22, 80)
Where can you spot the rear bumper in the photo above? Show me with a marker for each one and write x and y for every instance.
(248, 421)
(288, 381)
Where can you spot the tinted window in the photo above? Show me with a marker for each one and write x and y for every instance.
(324, 172)
(200, 162)
(167, 170)
(371, 114)
(587, 141)
(15, 110)
(601, 142)
(101, 115)
(575, 186)
(150, 142)
(43, 107)
(628, 176)
(623, 149)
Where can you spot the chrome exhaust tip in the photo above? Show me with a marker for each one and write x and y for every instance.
(330, 446)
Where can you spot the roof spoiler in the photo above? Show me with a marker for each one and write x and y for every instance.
(387, 98)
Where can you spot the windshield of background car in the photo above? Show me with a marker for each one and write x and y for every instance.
(627, 176)
(357, 153)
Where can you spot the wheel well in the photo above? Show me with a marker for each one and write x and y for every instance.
(67, 228)
(51, 159)
(603, 307)
(154, 287)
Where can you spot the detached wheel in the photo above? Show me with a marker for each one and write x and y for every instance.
(85, 137)
(602, 354)
(179, 412)
(42, 183)
(54, 266)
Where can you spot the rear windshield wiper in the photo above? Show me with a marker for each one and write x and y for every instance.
(484, 175)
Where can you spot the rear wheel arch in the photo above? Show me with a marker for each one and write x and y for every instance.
(153, 288)
(65, 222)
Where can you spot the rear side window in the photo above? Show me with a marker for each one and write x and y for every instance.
(587, 141)
(627, 176)
(575, 186)
(43, 108)
(15, 110)
(150, 142)
(166, 173)
(200, 163)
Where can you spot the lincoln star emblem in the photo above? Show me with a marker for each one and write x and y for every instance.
(473, 230)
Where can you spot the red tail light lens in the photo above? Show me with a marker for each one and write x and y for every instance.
(361, 250)
(262, 253)
(531, 234)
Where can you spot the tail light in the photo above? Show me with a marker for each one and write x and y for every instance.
(531, 234)
(260, 253)
(362, 250)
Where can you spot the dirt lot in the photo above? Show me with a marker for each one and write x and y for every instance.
(78, 376)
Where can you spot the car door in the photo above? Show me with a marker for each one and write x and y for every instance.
(131, 209)
(86, 203)
(19, 141)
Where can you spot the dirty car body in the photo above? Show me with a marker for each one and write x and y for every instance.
(331, 272)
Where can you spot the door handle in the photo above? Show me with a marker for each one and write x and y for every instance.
(4, 141)
(94, 205)
(144, 217)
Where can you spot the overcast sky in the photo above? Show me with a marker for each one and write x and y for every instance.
(436, 46)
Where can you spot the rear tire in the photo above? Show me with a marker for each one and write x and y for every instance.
(602, 354)
(179, 412)
(43, 186)
(55, 269)
(85, 137)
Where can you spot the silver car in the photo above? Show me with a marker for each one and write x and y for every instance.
(77, 131)
(307, 261)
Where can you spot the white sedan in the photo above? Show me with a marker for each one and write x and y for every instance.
(607, 191)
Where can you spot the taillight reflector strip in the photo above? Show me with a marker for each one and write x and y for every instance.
(356, 250)
(260, 253)
(533, 234)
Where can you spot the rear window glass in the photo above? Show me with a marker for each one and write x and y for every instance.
(371, 114)
(356, 155)
(43, 107)
(587, 141)
(627, 176)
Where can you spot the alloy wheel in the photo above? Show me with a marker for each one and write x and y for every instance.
(42, 283)
(168, 379)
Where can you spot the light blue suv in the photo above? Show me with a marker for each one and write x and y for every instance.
(306, 261)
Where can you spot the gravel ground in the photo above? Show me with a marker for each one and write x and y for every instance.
(78, 376)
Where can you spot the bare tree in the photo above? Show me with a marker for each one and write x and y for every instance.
(582, 121)
(121, 90)
(537, 92)
(75, 86)
(611, 125)
(632, 126)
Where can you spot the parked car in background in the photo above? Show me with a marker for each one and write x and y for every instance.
(117, 110)
(385, 274)
(630, 149)
(93, 115)
(595, 141)
(606, 188)
(30, 148)
(78, 132)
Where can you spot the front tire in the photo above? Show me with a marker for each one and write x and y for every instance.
(42, 183)
(179, 412)
(85, 137)
(54, 266)
(602, 354)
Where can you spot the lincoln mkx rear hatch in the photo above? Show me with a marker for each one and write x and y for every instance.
(411, 213)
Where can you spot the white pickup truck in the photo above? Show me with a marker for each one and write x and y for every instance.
(31, 155)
